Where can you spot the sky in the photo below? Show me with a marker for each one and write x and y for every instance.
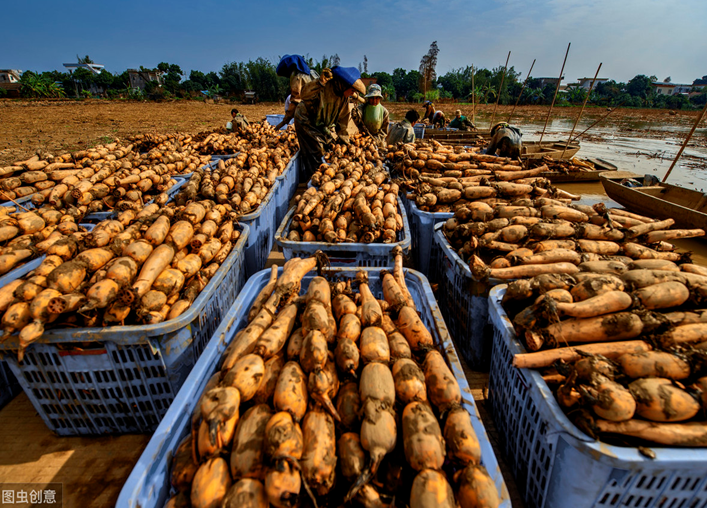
(628, 37)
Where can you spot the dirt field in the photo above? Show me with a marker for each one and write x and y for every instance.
(65, 125)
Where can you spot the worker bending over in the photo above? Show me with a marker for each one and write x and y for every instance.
(506, 140)
(296, 69)
(436, 118)
(325, 106)
(372, 117)
(238, 122)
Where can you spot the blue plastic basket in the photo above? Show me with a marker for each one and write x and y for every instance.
(121, 379)
(464, 302)
(25, 202)
(419, 129)
(262, 231)
(289, 180)
(345, 254)
(276, 119)
(97, 217)
(148, 485)
(422, 226)
(557, 465)
(216, 158)
(9, 387)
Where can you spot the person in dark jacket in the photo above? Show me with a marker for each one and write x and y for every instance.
(506, 140)
(324, 108)
(403, 132)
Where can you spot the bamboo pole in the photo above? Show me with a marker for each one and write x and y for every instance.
(9, 198)
(591, 87)
(687, 140)
(473, 98)
(521, 91)
(557, 89)
(500, 87)
(611, 110)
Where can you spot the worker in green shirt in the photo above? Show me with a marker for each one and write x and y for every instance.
(372, 117)
(461, 122)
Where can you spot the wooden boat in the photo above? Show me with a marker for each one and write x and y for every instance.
(553, 149)
(662, 201)
(601, 166)
(531, 149)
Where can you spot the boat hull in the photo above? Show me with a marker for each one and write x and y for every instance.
(687, 207)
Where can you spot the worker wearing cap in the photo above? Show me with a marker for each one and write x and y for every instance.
(506, 140)
(403, 132)
(372, 117)
(325, 107)
(296, 69)
(461, 122)
(436, 118)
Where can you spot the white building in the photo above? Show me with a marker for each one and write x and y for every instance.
(663, 88)
(93, 68)
(10, 81)
(586, 83)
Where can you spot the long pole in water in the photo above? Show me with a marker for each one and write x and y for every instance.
(521, 91)
(473, 98)
(591, 87)
(557, 89)
(611, 110)
(498, 97)
(687, 140)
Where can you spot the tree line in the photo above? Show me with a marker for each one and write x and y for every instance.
(465, 84)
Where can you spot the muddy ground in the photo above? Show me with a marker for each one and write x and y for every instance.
(65, 125)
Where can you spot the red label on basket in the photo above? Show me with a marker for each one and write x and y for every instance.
(90, 352)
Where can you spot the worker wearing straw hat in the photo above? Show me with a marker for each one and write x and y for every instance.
(372, 117)
(324, 108)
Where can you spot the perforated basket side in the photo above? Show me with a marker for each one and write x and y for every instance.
(9, 387)
(346, 254)
(556, 465)
(464, 302)
(262, 227)
(123, 379)
(422, 227)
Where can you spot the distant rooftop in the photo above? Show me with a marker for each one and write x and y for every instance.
(93, 67)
